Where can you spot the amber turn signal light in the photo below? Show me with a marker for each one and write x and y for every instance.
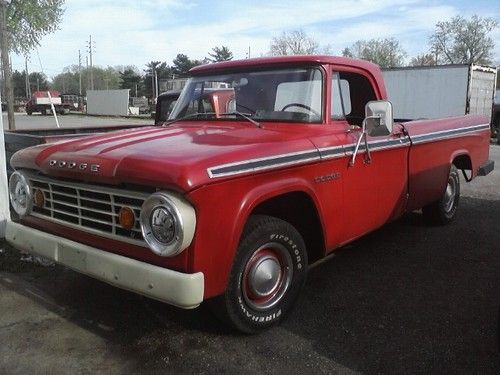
(126, 218)
(39, 199)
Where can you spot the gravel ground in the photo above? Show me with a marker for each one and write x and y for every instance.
(407, 298)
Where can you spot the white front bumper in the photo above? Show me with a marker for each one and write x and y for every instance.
(175, 288)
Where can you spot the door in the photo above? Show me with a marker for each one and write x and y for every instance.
(375, 189)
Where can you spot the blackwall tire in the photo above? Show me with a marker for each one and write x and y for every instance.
(268, 273)
(444, 210)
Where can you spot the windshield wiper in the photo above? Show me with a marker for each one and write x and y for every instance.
(246, 116)
(197, 114)
(191, 115)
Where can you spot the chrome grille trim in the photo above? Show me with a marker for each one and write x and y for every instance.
(89, 208)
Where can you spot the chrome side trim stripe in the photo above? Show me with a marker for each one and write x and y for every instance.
(276, 161)
(379, 145)
(331, 152)
(261, 164)
(434, 136)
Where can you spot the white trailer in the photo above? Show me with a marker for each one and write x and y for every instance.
(440, 91)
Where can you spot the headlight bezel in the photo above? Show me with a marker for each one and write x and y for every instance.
(184, 221)
(14, 180)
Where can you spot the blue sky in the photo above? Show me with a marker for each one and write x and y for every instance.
(134, 32)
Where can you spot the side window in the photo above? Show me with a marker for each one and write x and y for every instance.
(350, 93)
(341, 98)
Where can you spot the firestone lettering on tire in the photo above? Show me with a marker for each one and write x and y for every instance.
(286, 239)
(259, 319)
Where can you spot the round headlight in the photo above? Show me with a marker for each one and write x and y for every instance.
(20, 193)
(167, 223)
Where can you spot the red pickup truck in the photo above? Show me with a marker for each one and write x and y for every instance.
(233, 206)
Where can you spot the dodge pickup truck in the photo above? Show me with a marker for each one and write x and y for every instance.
(233, 206)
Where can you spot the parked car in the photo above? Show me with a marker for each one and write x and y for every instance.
(231, 204)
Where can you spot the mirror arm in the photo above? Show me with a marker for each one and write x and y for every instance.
(368, 156)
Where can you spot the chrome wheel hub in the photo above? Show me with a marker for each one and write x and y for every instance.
(267, 276)
(450, 194)
(264, 276)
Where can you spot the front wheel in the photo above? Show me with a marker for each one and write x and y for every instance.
(268, 273)
(444, 210)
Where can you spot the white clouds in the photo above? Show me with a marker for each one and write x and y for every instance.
(135, 32)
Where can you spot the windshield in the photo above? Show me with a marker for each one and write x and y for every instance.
(289, 95)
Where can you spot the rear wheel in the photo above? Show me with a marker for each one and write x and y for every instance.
(444, 210)
(268, 273)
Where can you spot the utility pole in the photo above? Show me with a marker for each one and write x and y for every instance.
(156, 84)
(91, 50)
(28, 93)
(87, 85)
(4, 47)
(153, 81)
(80, 73)
(38, 84)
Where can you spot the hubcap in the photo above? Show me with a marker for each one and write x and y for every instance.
(450, 194)
(264, 276)
(267, 276)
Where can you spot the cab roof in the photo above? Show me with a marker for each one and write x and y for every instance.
(286, 60)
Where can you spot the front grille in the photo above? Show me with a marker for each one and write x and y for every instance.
(89, 208)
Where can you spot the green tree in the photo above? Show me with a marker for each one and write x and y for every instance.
(163, 72)
(346, 52)
(68, 81)
(464, 41)
(19, 84)
(220, 54)
(295, 42)
(132, 80)
(30, 20)
(424, 59)
(25, 23)
(37, 80)
(182, 64)
(104, 78)
(384, 52)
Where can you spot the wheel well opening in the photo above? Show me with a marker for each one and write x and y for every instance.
(463, 162)
(298, 209)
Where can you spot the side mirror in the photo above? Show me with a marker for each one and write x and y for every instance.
(378, 120)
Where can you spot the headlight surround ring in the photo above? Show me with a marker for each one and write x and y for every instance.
(167, 223)
(20, 194)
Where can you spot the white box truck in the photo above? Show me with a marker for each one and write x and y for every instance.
(440, 91)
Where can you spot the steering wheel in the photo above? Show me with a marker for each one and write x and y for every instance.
(300, 105)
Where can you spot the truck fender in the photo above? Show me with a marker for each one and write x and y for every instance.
(268, 191)
(460, 158)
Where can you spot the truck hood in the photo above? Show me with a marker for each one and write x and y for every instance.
(180, 156)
